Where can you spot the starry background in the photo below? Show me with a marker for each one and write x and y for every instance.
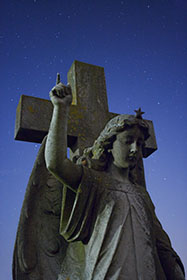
(142, 45)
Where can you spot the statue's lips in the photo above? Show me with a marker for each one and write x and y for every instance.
(132, 158)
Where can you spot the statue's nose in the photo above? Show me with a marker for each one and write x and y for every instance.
(133, 148)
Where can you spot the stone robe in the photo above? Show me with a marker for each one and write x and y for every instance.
(113, 232)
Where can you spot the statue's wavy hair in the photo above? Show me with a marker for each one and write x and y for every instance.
(98, 156)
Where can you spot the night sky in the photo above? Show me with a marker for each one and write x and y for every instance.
(142, 46)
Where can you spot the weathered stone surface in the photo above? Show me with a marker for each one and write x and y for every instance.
(150, 144)
(33, 117)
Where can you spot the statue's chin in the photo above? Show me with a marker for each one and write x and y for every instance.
(120, 164)
(132, 166)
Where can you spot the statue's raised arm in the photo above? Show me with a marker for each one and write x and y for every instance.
(39, 247)
(56, 146)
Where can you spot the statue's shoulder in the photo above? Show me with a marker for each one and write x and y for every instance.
(95, 178)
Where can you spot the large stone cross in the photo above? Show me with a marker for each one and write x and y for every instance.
(88, 113)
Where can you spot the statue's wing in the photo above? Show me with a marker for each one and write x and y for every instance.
(39, 248)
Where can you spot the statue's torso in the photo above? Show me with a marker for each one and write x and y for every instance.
(122, 242)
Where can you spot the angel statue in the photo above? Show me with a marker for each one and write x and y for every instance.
(91, 219)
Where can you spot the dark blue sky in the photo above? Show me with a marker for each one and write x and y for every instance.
(143, 47)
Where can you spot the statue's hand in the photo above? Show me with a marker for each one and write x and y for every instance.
(61, 94)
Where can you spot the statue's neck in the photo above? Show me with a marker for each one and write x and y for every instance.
(120, 174)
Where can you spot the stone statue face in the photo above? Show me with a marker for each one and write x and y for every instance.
(127, 148)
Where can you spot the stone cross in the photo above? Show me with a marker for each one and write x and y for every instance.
(88, 113)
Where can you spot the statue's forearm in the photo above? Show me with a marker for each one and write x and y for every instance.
(56, 149)
(56, 145)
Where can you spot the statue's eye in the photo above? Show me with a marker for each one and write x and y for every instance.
(128, 142)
